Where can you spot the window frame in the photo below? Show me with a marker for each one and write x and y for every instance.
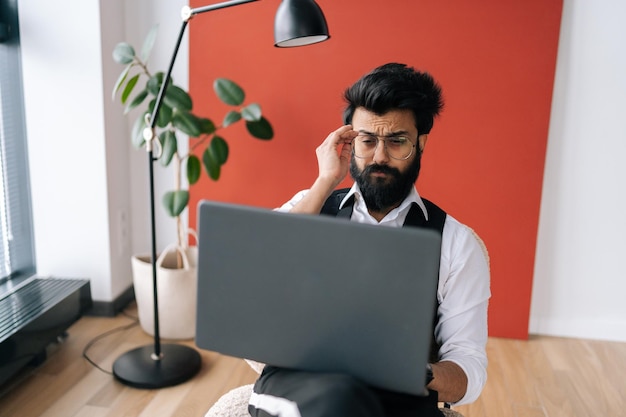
(17, 251)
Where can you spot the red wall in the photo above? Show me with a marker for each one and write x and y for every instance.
(495, 60)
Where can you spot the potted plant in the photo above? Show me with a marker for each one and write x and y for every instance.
(208, 151)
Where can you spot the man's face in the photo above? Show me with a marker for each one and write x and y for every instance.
(383, 180)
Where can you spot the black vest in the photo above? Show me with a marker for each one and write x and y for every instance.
(415, 218)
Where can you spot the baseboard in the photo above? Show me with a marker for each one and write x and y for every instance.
(609, 330)
(112, 308)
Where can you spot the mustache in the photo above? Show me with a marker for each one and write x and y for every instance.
(382, 169)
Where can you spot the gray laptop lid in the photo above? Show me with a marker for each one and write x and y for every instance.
(317, 293)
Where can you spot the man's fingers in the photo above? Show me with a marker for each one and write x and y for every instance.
(341, 136)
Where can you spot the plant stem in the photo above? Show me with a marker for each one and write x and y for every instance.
(143, 66)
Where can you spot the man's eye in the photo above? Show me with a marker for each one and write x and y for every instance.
(368, 140)
(397, 141)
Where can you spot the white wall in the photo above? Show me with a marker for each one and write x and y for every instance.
(580, 280)
(62, 69)
(89, 186)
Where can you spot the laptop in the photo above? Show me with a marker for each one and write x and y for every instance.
(317, 293)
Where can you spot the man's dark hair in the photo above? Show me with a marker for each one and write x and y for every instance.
(396, 86)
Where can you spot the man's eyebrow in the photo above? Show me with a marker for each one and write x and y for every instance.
(392, 134)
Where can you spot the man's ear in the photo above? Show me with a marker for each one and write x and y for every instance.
(421, 141)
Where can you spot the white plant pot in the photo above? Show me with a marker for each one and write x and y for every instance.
(176, 292)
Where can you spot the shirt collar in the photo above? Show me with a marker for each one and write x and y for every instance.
(413, 197)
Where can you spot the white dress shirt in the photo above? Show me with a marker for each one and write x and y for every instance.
(463, 289)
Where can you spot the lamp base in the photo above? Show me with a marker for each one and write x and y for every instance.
(137, 368)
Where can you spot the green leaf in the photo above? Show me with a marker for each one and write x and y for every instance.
(193, 169)
(252, 112)
(123, 53)
(211, 166)
(154, 83)
(261, 129)
(170, 147)
(165, 115)
(219, 150)
(229, 92)
(177, 98)
(129, 88)
(137, 132)
(139, 98)
(231, 117)
(148, 43)
(120, 80)
(187, 123)
(175, 202)
(206, 126)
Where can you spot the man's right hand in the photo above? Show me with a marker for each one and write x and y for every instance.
(333, 156)
(333, 160)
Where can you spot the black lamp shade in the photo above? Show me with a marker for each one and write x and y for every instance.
(299, 22)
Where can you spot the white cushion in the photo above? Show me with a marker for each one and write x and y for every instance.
(232, 404)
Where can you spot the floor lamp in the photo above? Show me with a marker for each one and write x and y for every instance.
(297, 23)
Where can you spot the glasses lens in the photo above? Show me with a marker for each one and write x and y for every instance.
(365, 146)
(398, 147)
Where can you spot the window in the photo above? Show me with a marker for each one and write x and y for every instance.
(16, 233)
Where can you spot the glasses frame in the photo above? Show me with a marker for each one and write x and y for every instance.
(380, 138)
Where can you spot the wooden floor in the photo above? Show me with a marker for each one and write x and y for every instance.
(541, 377)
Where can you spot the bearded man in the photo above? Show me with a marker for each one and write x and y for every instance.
(388, 118)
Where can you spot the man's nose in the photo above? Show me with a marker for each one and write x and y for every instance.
(380, 153)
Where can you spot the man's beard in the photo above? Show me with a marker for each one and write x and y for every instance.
(381, 194)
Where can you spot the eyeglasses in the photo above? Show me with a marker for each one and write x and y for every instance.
(398, 147)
